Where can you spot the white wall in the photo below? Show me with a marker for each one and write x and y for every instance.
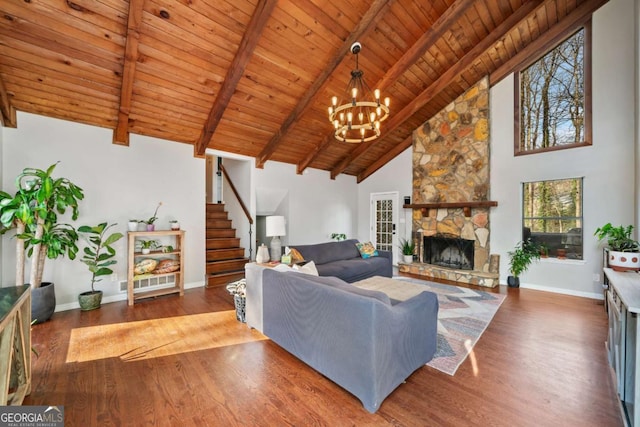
(239, 171)
(395, 176)
(317, 205)
(119, 183)
(608, 166)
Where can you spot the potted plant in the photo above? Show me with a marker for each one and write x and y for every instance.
(150, 222)
(174, 224)
(147, 245)
(338, 236)
(98, 256)
(624, 251)
(524, 253)
(132, 225)
(33, 213)
(544, 250)
(408, 249)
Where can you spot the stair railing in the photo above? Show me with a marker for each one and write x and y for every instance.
(242, 205)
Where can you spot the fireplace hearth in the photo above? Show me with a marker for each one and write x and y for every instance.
(449, 251)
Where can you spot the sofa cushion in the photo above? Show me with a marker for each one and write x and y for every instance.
(352, 270)
(323, 253)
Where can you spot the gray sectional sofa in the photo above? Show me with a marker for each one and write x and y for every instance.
(355, 337)
(343, 260)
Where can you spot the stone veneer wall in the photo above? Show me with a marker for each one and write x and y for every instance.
(451, 164)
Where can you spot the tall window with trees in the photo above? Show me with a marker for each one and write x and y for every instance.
(552, 216)
(553, 97)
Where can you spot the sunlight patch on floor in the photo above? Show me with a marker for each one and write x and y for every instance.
(146, 339)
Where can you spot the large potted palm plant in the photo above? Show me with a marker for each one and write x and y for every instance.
(33, 212)
(624, 251)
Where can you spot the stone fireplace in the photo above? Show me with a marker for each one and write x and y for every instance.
(448, 251)
(451, 203)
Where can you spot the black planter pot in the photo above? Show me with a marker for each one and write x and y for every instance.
(43, 302)
(513, 282)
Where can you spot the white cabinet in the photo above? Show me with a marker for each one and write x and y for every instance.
(623, 301)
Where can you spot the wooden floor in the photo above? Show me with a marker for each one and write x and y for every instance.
(541, 362)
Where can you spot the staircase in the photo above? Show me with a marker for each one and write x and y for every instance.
(225, 257)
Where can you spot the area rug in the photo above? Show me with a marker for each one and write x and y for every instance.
(463, 315)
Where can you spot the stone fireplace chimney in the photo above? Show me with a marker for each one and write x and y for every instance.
(451, 185)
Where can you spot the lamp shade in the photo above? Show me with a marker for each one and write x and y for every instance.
(275, 226)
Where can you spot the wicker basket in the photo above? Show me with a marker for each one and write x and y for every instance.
(240, 302)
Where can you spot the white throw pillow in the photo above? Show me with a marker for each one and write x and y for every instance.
(308, 268)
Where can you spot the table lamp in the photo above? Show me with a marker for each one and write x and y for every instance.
(275, 229)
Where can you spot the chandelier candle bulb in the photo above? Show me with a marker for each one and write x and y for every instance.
(377, 94)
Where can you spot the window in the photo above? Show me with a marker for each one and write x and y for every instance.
(552, 216)
(553, 98)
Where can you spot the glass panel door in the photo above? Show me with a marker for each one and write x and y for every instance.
(383, 222)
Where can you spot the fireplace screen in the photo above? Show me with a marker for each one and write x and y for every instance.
(452, 252)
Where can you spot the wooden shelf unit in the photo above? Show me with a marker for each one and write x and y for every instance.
(177, 253)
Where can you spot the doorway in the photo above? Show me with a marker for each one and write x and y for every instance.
(384, 217)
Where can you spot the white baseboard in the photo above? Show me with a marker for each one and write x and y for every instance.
(591, 295)
(118, 297)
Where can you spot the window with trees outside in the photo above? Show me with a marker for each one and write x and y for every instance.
(553, 98)
(552, 216)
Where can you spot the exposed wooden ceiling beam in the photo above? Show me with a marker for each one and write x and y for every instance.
(121, 132)
(365, 23)
(7, 111)
(388, 156)
(441, 82)
(235, 72)
(439, 27)
(553, 36)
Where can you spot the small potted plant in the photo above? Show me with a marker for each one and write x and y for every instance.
(544, 250)
(132, 225)
(338, 236)
(147, 245)
(524, 253)
(624, 251)
(150, 222)
(408, 248)
(98, 256)
(174, 224)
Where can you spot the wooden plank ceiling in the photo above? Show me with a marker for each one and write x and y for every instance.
(255, 77)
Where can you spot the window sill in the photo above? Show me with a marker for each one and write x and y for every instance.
(551, 260)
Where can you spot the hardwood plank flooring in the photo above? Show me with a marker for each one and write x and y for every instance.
(541, 362)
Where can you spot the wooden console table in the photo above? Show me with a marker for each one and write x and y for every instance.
(15, 344)
(623, 300)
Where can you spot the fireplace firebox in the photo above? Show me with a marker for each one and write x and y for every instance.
(449, 251)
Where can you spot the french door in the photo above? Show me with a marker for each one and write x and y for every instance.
(384, 217)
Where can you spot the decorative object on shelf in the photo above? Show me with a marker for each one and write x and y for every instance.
(166, 266)
(145, 266)
(147, 245)
(132, 225)
(275, 228)
(167, 248)
(338, 236)
(33, 213)
(263, 254)
(98, 256)
(356, 120)
(150, 222)
(407, 200)
(524, 253)
(174, 224)
(624, 252)
(408, 249)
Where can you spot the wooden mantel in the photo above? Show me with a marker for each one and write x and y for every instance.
(466, 206)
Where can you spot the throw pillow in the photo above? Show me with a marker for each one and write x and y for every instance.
(167, 266)
(367, 250)
(296, 256)
(308, 268)
(145, 266)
